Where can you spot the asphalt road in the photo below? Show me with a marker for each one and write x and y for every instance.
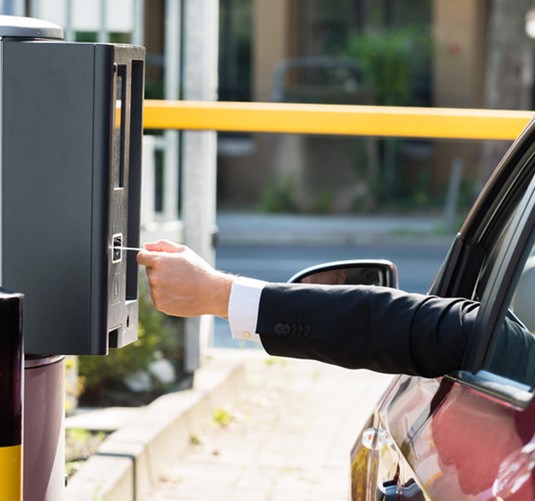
(417, 266)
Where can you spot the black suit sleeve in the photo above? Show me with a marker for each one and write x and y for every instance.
(369, 327)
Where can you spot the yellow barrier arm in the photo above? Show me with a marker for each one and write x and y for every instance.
(385, 121)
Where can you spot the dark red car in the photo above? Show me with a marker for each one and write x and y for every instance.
(468, 435)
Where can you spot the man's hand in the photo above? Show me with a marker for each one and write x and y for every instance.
(183, 284)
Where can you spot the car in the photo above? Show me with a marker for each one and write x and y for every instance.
(468, 435)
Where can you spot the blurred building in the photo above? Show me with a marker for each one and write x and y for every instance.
(317, 51)
(298, 50)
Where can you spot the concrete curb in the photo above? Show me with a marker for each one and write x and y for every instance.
(130, 460)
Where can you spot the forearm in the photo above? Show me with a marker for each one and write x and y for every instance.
(366, 327)
(218, 300)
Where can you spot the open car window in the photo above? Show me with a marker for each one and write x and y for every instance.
(502, 351)
(471, 259)
(499, 240)
(496, 238)
(511, 352)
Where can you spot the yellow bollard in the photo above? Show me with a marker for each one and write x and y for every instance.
(11, 473)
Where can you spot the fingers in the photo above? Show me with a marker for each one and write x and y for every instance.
(163, 246)
(152, 250)
(145, 258)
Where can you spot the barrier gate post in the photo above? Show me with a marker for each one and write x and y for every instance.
(70, 184)
(11, 383)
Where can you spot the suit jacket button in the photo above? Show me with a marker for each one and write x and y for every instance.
(286, 329)
(279, 328)
(307, 330)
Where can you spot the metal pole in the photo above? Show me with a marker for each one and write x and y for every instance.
(173, 22)
(199, 154)
(13, 7)
(138, 36)
(33, 8)
(11, 381)
(103, 28)
(454, 186)
(69, 31)
(44, 428)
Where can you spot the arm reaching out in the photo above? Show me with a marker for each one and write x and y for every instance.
(372, 327)
(182, 283)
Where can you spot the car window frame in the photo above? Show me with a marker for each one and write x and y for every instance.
(462, 267)
(494, 303)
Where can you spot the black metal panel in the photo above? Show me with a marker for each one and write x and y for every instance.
(63, 197)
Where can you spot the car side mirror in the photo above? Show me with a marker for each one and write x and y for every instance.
(353, 272)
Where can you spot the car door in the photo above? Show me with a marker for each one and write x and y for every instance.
(468, 435)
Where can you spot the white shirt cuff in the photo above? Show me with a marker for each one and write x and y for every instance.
(243, 308)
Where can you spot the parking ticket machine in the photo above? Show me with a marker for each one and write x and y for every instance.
(70, 155)
(70, 123)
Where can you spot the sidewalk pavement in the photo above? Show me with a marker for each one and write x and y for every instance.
(259, 228)
(253, 428)
(288, 436)
(146, 440)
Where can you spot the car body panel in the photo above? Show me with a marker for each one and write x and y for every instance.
(447, 442)
(464, 436)
(455, 442)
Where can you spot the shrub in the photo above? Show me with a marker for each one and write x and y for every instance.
(279, 196)
(103, 378)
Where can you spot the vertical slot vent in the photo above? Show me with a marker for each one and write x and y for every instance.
(119, 132)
